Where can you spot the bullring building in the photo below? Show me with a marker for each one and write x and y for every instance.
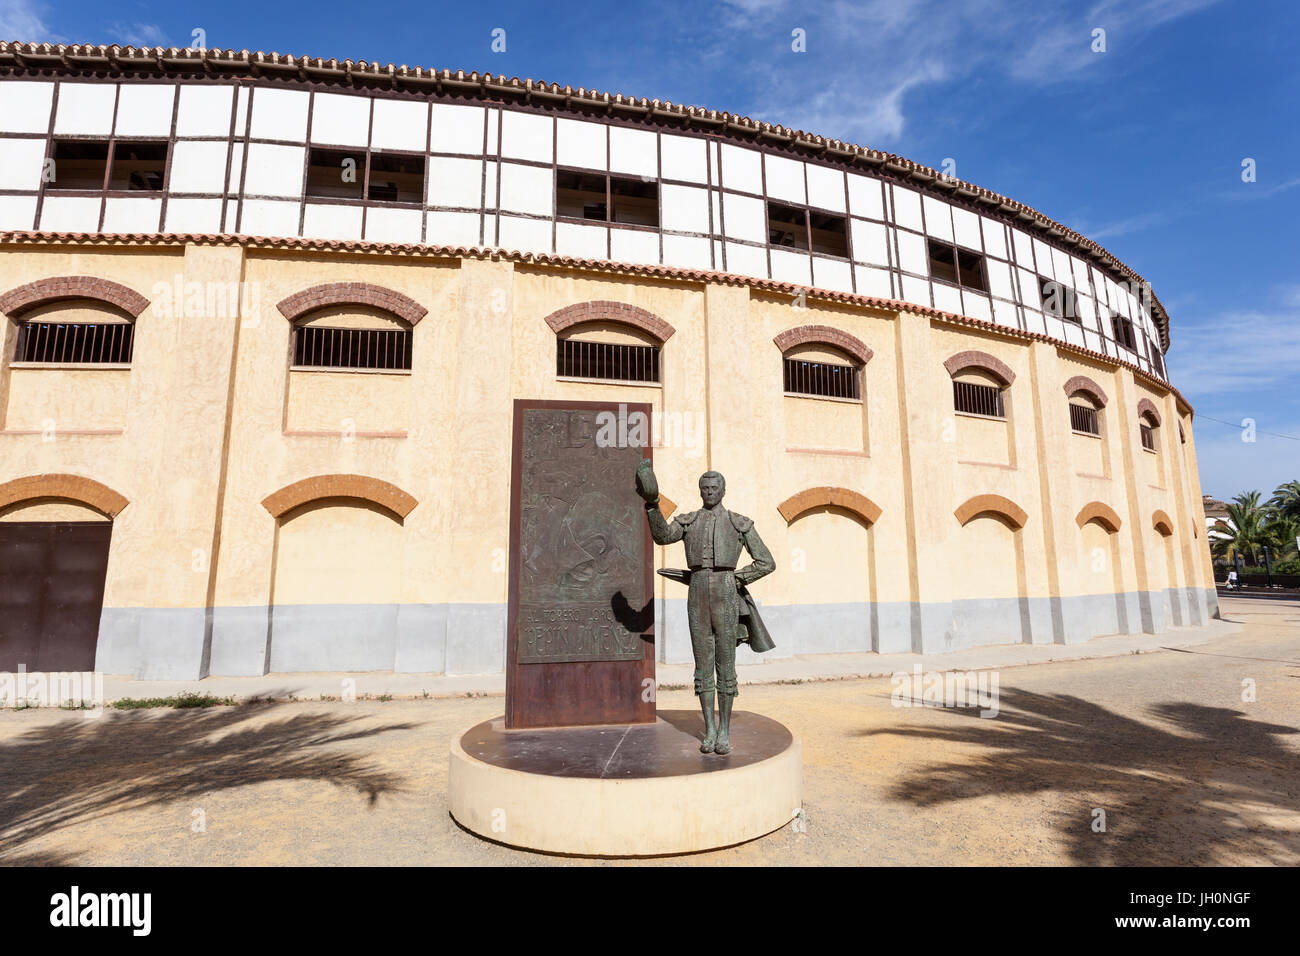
(266, 317)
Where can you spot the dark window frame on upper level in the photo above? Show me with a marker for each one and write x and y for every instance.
(115, 150)
(1069, 311)
(606, 190)
(364, 192)
(957, 266)
(807, 228)
(1123, 331)
(1156, 359)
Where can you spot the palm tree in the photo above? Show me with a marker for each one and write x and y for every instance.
(1244, 529)
(1280, 535)
(1286, 499)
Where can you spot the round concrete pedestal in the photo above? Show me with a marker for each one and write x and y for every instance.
(625, 790)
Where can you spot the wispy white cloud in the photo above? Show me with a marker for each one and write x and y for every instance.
(1257, 190)
(1244, 353)
(880, 51)
(1130, 224)
(25, 21)
(139, 34)
(1062, 44)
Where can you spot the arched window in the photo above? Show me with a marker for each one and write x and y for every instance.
(351, 336)
(1148, 427)
(1086, 400)
(823, 371)
(822, 361)
(351, 325)
(608, 341)
(1148, 422)
(1085, 417)
(607, 350)
(978, 381)
(76, 332)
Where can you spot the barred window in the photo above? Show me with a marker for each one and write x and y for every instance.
(1084, 418)
(316, 346)
(577, 358)
(828, 379)
(1147, 425)
(75, 342)
(974, 399)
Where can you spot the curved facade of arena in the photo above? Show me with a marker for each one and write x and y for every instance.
(281, 310)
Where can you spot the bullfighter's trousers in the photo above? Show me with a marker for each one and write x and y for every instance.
(713, 611)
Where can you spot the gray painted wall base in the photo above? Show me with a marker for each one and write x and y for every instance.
(153, 643)
(456, 639)
(192, 643)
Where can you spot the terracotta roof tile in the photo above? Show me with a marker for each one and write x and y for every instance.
(571, 262)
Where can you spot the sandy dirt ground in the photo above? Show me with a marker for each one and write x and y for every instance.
(1186, 771)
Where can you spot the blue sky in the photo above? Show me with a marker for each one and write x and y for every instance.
(1139, 147)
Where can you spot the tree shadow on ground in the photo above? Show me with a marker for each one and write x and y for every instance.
(1200, 785)
(79, 770)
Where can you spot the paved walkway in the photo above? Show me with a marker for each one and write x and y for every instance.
(1192, 753)
(813, 667)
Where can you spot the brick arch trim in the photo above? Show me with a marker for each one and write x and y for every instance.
(43, 291)
(351, 293)
(1162, 523)
(973, 358)
(810, 498)
(823, 335)
(996, 504)
(1100, 512)
(1146, 407)
(73, 487)
(603, 311)
(1081, 383)
(374, 490)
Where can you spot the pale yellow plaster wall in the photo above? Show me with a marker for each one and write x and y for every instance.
(825, 424)
(829, 560)
(199, 450)
(986, 560)
(264, 459)
(168, 454)
(338, 551)
(348, 401)
(67, 399)
(791, 454)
